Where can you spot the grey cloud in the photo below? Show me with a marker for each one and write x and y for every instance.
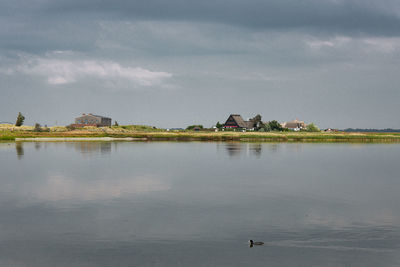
(354, 16)
(41, 25)
(367, 16)
(38, 36)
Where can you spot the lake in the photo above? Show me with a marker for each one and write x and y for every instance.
(198, 204)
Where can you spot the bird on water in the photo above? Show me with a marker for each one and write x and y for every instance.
(252, 243)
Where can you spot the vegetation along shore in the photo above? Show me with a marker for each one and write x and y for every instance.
(10, 132)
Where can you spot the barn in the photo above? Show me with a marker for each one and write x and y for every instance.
(92, 120)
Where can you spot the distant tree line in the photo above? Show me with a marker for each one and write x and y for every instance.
(387, 130)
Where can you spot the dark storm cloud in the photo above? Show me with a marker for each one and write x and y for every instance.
(367, 16)
(41, 25)
(40, 36)
(352, 16)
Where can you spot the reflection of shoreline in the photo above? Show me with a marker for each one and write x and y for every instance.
(85, 148)
(63, 139)
(234, 149)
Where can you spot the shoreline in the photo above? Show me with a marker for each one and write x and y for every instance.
(57, 134)
(276, 138)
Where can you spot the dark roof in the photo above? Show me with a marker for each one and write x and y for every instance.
(249, 124)
(292, 125)
(98, 116)
(239, 120)
(90, 114)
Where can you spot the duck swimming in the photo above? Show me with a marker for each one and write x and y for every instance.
(252, 243)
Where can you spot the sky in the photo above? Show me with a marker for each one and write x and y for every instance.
(181, 62)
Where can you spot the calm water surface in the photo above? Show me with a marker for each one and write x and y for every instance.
(197, 204)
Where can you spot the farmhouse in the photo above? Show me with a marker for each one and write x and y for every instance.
(236, 121)
(92, 120)
(295, 125)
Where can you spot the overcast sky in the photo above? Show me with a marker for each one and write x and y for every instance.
(180, 62)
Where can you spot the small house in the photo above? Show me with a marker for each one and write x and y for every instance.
(331, 130)
(236, 121)
(294, 125)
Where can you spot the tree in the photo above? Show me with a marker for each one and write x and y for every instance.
(37, 128)
(266, 127)
(219, 125)
(256, 122)
(116, 123)
(312, 128)
(20, 119)
(275, 126)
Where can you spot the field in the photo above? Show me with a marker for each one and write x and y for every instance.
(10, 132)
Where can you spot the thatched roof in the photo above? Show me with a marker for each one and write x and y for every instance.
(235, 120)
(294, 124)
(239, 120)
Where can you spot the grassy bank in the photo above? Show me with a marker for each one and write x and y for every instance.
(7, 138)
(9, 132)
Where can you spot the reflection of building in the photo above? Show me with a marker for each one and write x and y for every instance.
(92, 120)
(256, 149)
(90, 148)
(295, 125)
(233, 149)
(236, 149)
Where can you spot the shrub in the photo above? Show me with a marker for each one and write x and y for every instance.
(192, 127)
(70, 127)
(275, 126)
(312, 128)
(266, 128)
